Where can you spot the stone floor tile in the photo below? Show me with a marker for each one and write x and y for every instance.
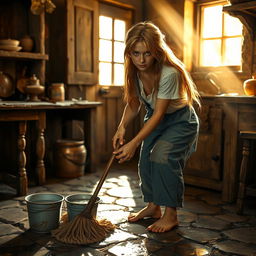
(137, 247)
(131, 202)
(211, 198)
(139, 228)
(186, 217)
(81, 252)
(107, 199)
(201, 207)
(8, 229)
(124, 192)
(57, 187)
(184, 248)
(229, 217)
(199, 235)
(116, 237)
(9, 203)
(211, 222)
(246, 235)
(33, 190)
(116, 217)
(110, 207)
(12, 215)
(236, 248)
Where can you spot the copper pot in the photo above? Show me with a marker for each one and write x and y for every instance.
(6, 85)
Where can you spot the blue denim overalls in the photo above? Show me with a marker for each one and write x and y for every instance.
(163, 155)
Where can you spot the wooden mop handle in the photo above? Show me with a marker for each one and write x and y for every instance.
(87, 211)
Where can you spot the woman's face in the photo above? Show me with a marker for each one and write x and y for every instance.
(141, 57)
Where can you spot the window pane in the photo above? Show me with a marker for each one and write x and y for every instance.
(119, 26)
(232, 51)
(211, 53)
(105, 50)
(119, 52)
(212, 21)
(105, 73)
(232, 26)
(105, 27)
(119, 74)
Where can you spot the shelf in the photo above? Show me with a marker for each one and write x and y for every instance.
(23, 55)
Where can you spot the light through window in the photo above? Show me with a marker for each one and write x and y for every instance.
(111, 51)
(221, 38)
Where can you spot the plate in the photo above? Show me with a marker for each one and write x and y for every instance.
(10, 48)
(9, 42)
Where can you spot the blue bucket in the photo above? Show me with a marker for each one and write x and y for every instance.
(76, 203)
(44, 211)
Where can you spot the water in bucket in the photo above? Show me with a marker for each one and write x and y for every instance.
(44, 210)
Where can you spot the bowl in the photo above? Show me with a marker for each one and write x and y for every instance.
(9, 42)
(33, 91)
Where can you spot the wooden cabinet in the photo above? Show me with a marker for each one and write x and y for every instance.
(73, 42)
(204, 168)
(16, 21)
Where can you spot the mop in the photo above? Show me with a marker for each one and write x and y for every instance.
(85, 229)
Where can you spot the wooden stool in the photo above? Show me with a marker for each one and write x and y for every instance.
(247, 137)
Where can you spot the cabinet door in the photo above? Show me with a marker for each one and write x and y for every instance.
(204, 166)
(82, 41)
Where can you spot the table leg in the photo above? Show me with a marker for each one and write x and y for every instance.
(40, 150)
(23, 180)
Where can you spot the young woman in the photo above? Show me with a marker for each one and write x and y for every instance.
(155, 77)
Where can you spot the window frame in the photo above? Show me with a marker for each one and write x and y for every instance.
(197, 49)
(121, 12)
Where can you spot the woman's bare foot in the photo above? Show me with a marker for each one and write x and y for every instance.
(151, 210)
(167, 222)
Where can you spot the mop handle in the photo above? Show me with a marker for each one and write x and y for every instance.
(87, 211)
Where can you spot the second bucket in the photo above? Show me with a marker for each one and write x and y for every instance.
(77, 202)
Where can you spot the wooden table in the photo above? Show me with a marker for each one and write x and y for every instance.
(23, 112)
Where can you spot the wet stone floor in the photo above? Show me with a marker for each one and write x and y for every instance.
(207, 225)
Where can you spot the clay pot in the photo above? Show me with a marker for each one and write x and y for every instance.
(6, 85)
(57, 92)
(27, 43)
(250, 86)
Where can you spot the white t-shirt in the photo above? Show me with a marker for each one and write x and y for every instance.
(168, 89)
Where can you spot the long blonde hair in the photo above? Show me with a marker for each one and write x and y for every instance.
(154, 39)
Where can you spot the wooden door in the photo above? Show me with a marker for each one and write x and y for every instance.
(82, 41)
(111, 95)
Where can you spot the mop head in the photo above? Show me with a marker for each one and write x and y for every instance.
(83, 230)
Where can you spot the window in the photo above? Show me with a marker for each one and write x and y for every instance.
(111, 51)
(220, 37)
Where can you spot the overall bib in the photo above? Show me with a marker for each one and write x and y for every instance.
(163, 155)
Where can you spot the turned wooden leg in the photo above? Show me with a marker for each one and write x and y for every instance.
(40, 151)
(23, 180)
(243, 176)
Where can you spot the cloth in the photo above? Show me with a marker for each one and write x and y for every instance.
(163, 156)
(164, 153)
(168, 89)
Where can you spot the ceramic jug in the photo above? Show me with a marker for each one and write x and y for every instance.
(250, 86)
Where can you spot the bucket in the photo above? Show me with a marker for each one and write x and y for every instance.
(76, 204)
(44, 211)
(70, 158)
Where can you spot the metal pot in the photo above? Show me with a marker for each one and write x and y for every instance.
(6, 85)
